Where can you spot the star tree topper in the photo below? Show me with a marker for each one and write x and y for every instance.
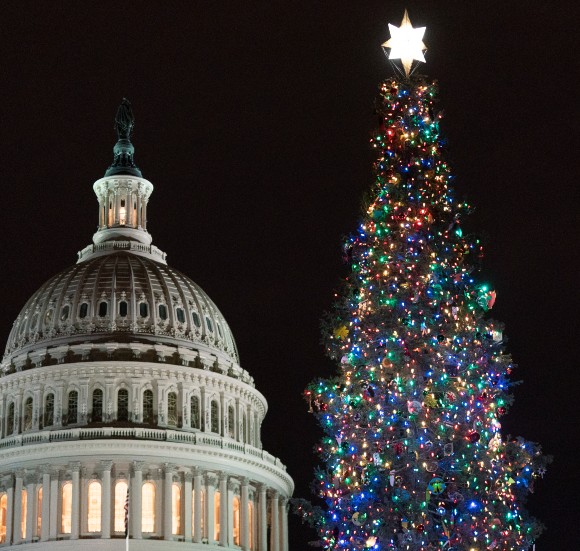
(406, 43)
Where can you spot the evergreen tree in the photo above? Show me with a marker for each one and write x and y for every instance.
(412, 452)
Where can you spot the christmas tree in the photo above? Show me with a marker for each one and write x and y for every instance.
(413, 456)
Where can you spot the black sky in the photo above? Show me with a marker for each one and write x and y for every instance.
(252, 122)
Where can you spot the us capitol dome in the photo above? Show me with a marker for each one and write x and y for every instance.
(123, 406)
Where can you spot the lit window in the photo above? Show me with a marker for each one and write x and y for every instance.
(143, 309)
(122, 213)
(236, 520)
(123, 405)
(215, 425)
(48, 316)
(73, 406)
(231, 422)
(216, 516)
(83, 310)
(176, 509)
(64, 313)
(163, 312)
(3, 513)
(148, 508)
(49, 410)
(39, 511)
(103, 309)
(120, 499)
(10, 419)
(23, 513)
(148, 406)
(172, 408)
(66, 508)
(97, 415)
(251, 525)
(27, 420)
(123, 308)
(196, 320)
(209, 324)
(195, 413)
(94, 510)
(180, 315)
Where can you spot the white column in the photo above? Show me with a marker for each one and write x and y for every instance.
(211, 482)
(275, 528)
(167, 501)
(9, 483)
(244, 521)
(17, 536)
(106, 466)
(76, 501)
(54, 492)
(283, 524)
(197, 488)
(224, 508)
(135, 503)
(30, 507)
(46, 498)
(187, 501)
(263, 520)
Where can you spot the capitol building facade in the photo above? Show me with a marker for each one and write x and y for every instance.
(123, 407)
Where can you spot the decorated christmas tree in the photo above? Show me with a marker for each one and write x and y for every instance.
(412, 454)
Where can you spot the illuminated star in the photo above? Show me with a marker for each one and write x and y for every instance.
(406, 43)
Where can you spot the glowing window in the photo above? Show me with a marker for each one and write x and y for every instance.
(49, 410)
(216, 516)
(123, 308)
(94, 509)
(83, 310)
(10, 419)
(176, 509)
(172, 408)
(148, 508)
(236, 523)
(163, 312)
(251, 525)
(209, 324)
(148, 406)
(23, 513)
(103, 309)
(66, 508)
(97, 415)
(123, 405)
(195, 413)
(65, 312)
(39, 511)
(3, 513)
(73, 406)
(143, 309)
(180, 315)
(196, 320)
(231, 422)
(215, 425)
(120, 499)
(27, 419)
(48, 316)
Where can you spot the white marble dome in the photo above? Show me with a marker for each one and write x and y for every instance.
(121, 383)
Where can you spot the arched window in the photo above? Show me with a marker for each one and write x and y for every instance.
(216, 516)
(219, 328)
(27, 419)
(103, 309)
(120, 500)
(123, 405)
(176, 509)
(196, 320)
(236, 523)
(23, 513)
(231, 422)
(194, 414)
(251, 525)
(172, 408)
(148, 406)
(215, 423)
(66, 508)
(148, 508)
(94, 507)
(39, 511)
(209, 324)
(73, 407)
(49, 410)
(143, 309)
(65, 312)
(84, 310)
(10, 420)
(3, 513)
(180, 313)
(123, 308)
(97, 415)
(162, 312)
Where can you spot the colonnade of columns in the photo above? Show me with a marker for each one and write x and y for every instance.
(186, 504)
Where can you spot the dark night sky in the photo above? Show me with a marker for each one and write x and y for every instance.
(253, 120)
